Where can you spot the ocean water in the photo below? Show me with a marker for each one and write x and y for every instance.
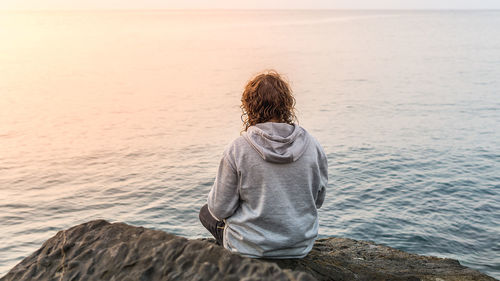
(123, 115)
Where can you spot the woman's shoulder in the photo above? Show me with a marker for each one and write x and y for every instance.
(314, 143)
(236, 145)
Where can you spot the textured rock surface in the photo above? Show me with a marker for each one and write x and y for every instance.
(98, 250)
(347, 259)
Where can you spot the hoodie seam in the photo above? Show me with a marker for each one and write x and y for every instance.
(247, 138)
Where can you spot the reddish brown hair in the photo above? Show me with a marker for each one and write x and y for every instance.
(267, 97)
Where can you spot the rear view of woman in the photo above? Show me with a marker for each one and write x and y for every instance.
(271, 180)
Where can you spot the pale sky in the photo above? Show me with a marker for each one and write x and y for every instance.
(250, 4)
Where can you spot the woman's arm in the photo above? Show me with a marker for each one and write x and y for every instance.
(223, 199)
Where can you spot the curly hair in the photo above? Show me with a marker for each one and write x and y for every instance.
(267, 97)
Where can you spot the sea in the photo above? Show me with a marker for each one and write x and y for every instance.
(123, 115)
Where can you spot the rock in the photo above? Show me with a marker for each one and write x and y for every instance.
(347, 259)
(99, 250)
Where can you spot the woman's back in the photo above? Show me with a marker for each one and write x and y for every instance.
(280, 175)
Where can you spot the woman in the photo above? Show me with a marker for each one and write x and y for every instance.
(271, 180)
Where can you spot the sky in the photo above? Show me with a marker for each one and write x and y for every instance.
(254, 4)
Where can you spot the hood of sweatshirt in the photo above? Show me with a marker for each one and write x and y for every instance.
(278, 142)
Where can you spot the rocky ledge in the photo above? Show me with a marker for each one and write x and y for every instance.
(99, 250)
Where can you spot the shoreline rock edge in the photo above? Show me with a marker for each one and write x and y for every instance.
(99, 250)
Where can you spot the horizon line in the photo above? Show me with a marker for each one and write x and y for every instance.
(249, 9)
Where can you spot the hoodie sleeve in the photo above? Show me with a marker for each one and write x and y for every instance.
(223, 199)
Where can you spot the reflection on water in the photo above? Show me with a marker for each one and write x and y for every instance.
(123, 116)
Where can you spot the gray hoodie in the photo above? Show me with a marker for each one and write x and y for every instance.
(269, 185)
